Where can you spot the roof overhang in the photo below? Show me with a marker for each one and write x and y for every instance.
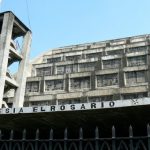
(105, 118)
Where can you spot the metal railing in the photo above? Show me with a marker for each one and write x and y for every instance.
(96, 143)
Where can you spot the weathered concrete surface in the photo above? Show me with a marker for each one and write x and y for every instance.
(22, 72)
(13, 28)
(91, 70)
(5, 38)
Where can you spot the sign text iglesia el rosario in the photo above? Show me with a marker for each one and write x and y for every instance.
(77, 107)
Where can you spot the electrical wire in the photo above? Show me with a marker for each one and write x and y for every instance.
(28, 14)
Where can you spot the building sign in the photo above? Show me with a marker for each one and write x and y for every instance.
(76, 107)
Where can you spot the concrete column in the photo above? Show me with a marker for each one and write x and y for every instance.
(121, 73)
(22, 71)
(5, 39)
(67, 83)
(83, 56)
(93, 80)
(64, 57)
(54, 69)
(98, 65)
(121, 79)
(42, 83)
(54, 97)
(103, 52)
(124, 61)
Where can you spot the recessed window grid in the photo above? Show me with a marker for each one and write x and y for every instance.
(112, 63)
(87, 67)
(135, 77)
(32, 86)
(67, 69)
(54, 60)
(71, 101)
(80, 83)
(137, 61)
(137, 49)
(115, 52)
(51, 85)
(107, 80)
(46, 71)
(43, 103)
(101, 98)
(73, 58)
(135, 95)
(60, 69)
(93, 55)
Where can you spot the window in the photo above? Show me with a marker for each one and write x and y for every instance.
(107, 80)
(60, 69)
(115, 52)
(101, 98)
(94, 99)
(73, 58)
(137, 61)
(32, 86)
(87, 67)
(71, 101)
(54, 60)
(46, 71)
(75, 67)
(135, 77)
(51, 85)
(67, 69)
(71, 68)
(135, 95)
(80, 83)
(137, 49)
(93, 55)
(112, 63)
(43, 103)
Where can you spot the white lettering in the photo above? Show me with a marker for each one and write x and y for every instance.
(75, 107)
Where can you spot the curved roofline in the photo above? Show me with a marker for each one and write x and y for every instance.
(70, 46)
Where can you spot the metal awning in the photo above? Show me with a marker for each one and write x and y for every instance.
(122, 117)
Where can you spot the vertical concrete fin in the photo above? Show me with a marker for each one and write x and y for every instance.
(22, 71)
(5, 38)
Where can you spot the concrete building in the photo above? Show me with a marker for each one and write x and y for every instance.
(80, 89)
(110, 70)
(11, 29)
(94, 96)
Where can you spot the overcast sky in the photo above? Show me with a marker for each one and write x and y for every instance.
(57, 23)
